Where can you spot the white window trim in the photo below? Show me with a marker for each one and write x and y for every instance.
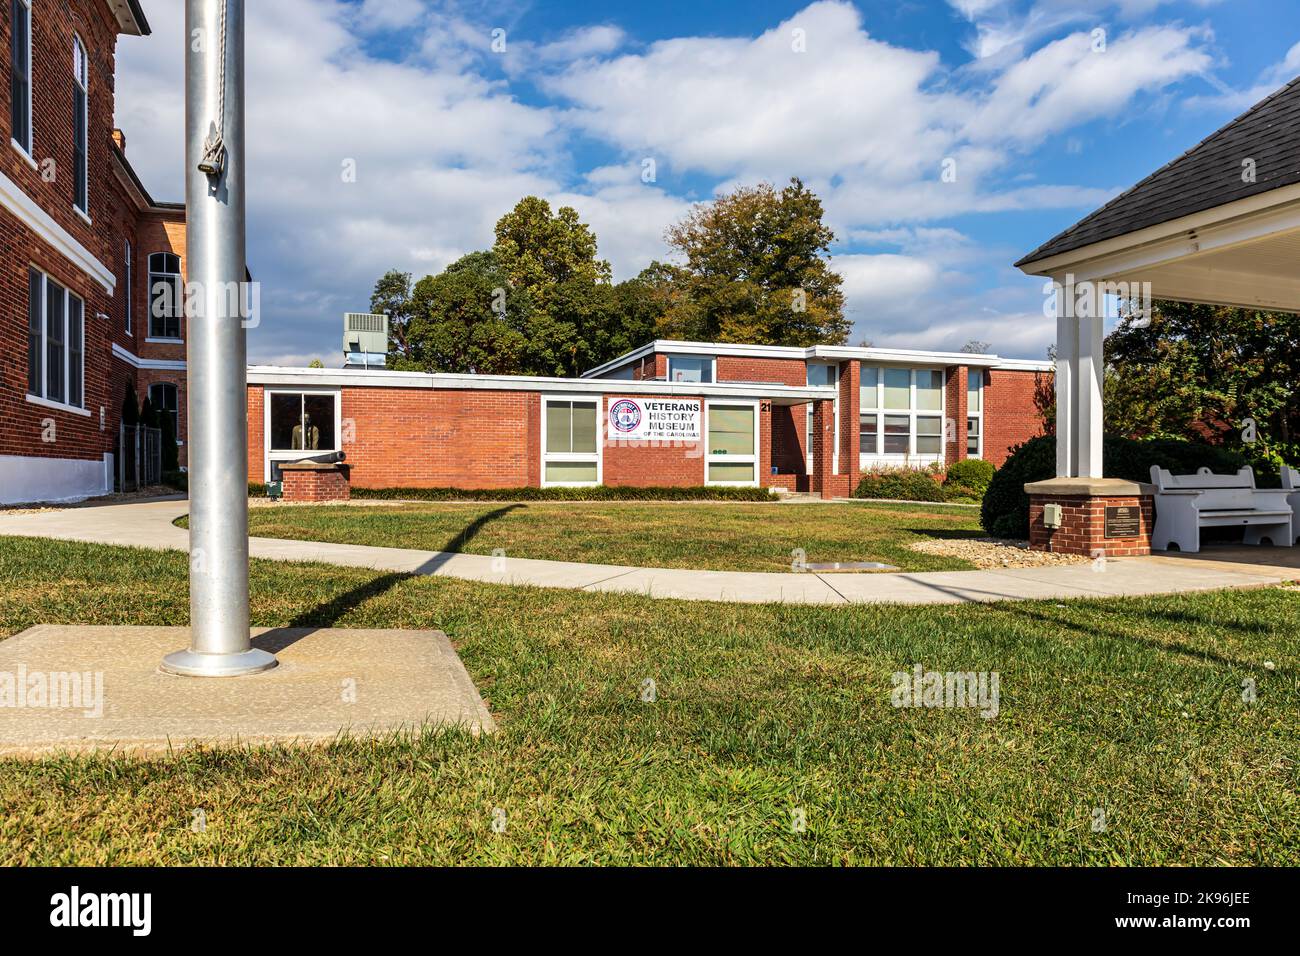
(268, 455)
(67, 350)
(179, 275)
(711, 459)
(584, 458)
(28, 151)
(976, 415)
(84, 83)
(878, 457)
(713, 367)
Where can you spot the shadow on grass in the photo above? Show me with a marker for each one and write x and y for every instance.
(334, 610)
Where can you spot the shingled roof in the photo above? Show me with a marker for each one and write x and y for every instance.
(1207, 175)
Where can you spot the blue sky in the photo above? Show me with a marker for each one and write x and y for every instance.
(1044, 109)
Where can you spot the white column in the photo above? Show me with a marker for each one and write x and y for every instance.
(1067, 372)
(1091, 375)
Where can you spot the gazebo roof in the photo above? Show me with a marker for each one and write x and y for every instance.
(1207, 175)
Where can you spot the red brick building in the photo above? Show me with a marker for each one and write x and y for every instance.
(80, 235)
(668, 414)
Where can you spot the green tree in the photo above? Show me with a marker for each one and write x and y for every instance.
(467, 318)
(757, 270)
(1205, 372)
(540, 250)
(392, 297)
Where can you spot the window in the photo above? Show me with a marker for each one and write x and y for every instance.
(55, 342)
(690, 368)
(81, 168)
(975, 413)
(166, 302)
(129, 300)
(732, 458)
(571, 441)
(901, 413)
(163, 397)
(303, 422)
(20, 74)
(297, 425)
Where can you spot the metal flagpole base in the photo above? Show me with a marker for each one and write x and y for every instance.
(192, 664)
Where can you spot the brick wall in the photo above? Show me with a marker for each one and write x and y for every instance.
(956, 401)
(1010, 414)
(1083, 526)
(115, 218)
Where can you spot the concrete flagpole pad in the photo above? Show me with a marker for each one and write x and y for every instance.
(79, 689)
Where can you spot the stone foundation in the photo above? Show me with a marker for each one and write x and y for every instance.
(311, 481)
(1083, 504)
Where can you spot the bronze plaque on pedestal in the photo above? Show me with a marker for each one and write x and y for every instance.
(1123, 521)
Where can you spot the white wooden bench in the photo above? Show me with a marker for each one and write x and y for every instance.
(1187, 503)
(1291, 484)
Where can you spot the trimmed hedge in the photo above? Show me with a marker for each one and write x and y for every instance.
(905, 484)
(598, 493)
(969, 476)
(1005, 512)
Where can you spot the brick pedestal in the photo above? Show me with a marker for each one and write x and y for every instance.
(310, 481)
(1083, 504)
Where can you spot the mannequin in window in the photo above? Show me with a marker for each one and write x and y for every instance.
(306, 431)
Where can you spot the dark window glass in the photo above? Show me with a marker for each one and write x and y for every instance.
(163, 396)
(35, 348)
(898, 430)
(55, 319)
(20, 75)
(79, 148)
(76, 339)
(867, 430)
(302, 422)
(166, 296)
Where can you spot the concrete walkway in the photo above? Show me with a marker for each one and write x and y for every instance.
(148, 524)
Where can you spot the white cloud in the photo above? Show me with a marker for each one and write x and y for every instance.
(1270, 80)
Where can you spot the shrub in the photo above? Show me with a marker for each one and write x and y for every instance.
(1005, 511)
(904, 484)
(970, 475)
(598, 493)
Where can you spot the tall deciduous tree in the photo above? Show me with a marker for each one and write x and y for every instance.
(540, 250)
(757, 270)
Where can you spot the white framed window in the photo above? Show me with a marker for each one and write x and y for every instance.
(20, 76)
(975, 413)
(129, 302)
(692, 368)
(80, 124)
(298, 424)
(901, 415)
(824, 375)
(56, 337)
(571, 441)
(731, 431)
(166, 296)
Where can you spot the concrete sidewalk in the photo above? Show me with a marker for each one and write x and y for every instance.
(148, 524)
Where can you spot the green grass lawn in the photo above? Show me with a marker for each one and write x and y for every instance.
(1132, 706)
(722, 537)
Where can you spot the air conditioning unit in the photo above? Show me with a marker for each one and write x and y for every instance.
(365, 340)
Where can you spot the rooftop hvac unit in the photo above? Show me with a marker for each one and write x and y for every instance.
(365, 339)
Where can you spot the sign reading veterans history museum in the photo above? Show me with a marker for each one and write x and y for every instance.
(655, 419)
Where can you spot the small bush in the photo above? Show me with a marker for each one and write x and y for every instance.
(969, 475)
(598, 493)
(904, 484)
(1005, 511)
(177, 479)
